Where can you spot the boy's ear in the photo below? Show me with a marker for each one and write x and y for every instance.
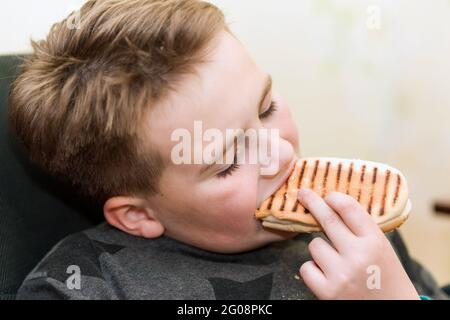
(132, 216)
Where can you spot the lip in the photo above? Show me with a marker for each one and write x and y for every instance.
(282, 179)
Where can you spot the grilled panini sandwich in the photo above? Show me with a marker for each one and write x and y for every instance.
(380, 189)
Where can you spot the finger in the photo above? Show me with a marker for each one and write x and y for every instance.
(357, 219)
(332, 225)
(314, 278)
(324, 255)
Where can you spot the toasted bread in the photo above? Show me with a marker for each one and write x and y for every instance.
(380, 189)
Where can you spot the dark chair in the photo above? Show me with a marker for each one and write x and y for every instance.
(35, 210)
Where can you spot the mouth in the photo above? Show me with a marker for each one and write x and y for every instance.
(281, 180)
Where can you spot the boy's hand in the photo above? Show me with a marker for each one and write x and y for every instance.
(359, 263)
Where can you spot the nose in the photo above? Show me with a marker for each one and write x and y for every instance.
(276, 159)
(280, 164)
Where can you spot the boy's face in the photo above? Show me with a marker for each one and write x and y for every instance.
(212, 207)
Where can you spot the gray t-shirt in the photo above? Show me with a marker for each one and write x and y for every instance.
(105, 263)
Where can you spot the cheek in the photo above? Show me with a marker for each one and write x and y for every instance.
(232, 200)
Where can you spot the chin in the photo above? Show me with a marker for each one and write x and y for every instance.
(278, 235)
(272, 233)
(267, 236)
(263, 238)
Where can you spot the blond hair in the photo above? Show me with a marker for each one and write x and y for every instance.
(79, 101)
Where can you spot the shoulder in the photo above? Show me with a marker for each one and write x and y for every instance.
(78, 253)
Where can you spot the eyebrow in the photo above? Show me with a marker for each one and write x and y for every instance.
(266, 90)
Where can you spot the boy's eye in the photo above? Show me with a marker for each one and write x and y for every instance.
(230, 169)
(269, 111)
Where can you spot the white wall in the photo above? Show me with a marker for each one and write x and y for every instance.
(355, 90)
(21, 20)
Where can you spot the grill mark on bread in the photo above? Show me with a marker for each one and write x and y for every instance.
(325, 179)
(338, 176)
(313, 179)
(386, 184)
(349, 178)
(372, 189)
(363, 173)
(284, 195)
(269, 205)
(397, 190)
(299, 183)
(302, 171)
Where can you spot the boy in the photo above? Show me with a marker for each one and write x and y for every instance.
(98, 105)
